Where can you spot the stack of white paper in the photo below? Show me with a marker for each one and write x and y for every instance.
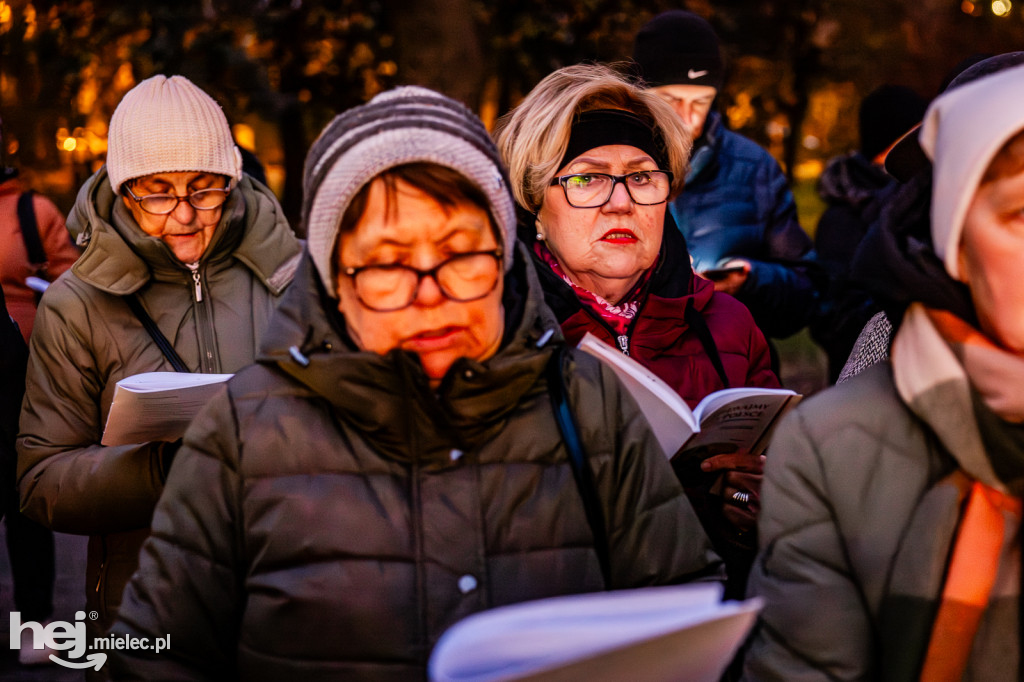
(156, 406)
(678, 634)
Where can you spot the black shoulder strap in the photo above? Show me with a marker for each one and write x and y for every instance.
(578, 458)
(154, 332)
(30, 230)
(699, 325)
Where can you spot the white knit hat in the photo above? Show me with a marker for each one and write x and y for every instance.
(406, 125)
(167, 125)
(963, 130)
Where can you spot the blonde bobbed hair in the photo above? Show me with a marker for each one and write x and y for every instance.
(533, 137)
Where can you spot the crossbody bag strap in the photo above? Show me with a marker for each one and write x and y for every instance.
(581, 471)
(30, 231)
(154, 332)
(698, 324)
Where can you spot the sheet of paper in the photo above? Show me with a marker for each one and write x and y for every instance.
(680, 633)
(157, 406)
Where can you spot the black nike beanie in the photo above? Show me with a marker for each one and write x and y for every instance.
(678, 48)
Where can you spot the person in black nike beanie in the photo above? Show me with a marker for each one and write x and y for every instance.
(737, 212)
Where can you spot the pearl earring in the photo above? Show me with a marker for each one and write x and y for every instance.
(540, 237)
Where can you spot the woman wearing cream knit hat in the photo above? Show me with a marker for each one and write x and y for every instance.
(891, 512)
(175, 236)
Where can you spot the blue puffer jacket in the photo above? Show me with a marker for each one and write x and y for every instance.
(737, 204)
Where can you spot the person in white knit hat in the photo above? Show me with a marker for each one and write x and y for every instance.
(891, 517)
(185, 258)
(393, 462)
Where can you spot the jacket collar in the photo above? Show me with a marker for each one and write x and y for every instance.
(705, 147)
(389, 397)
(120, 259)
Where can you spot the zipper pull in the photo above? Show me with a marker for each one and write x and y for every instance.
(194, 267)
(624, 344)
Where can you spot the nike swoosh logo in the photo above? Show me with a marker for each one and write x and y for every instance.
(693, 75)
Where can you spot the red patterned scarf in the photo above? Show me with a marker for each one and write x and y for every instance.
(617, 316)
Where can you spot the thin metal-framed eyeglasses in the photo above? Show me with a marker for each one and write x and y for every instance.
(593, 190)
(462, 278)
(162, 204)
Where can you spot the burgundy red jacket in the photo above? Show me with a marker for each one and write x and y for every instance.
(664, 336)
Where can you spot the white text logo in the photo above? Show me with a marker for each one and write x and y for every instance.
(70, 637)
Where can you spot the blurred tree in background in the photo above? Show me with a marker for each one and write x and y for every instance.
(282, 68)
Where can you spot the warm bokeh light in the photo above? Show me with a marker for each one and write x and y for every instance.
(741, 112)
(808, 170)
(30, 22)
(69, 144)
(1001, 8)
(245, 136)
(124, 80)
(967, 7)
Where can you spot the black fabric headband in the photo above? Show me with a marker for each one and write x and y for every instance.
(601, 127)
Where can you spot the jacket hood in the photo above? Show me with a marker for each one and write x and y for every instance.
(852, 180)
(307, 340)
(120, 258)
(897, 264)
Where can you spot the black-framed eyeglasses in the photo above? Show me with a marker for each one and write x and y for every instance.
(162, 204)
(463, 278)
(593, 190)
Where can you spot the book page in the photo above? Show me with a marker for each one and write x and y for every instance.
(680, 633)
(741, 417)
(157, 406)
(670, 417)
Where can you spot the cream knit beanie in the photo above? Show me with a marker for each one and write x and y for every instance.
(405, 125)
(963, 130)
(166, 125)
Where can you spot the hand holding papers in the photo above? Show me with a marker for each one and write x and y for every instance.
(679, 634)
(157, 405)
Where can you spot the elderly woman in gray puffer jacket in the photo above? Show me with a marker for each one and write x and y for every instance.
(891, 517)
(392, 463)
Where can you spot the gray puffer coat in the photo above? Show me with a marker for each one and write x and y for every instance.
(330, 521)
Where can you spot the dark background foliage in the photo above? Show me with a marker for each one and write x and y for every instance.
(282, 68)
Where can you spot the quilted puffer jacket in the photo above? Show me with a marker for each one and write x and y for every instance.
(329, 520)
(737, 204)
(862, 500)
(86, 339)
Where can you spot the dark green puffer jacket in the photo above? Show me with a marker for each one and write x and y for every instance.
(330, 521)
(86, 339)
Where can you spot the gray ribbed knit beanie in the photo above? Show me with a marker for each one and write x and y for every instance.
(167, 125)
(405, 125)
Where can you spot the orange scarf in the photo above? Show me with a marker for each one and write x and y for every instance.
(997, 375)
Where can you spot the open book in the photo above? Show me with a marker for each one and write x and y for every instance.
(157, 405)
(682, 633)
(739, 419)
